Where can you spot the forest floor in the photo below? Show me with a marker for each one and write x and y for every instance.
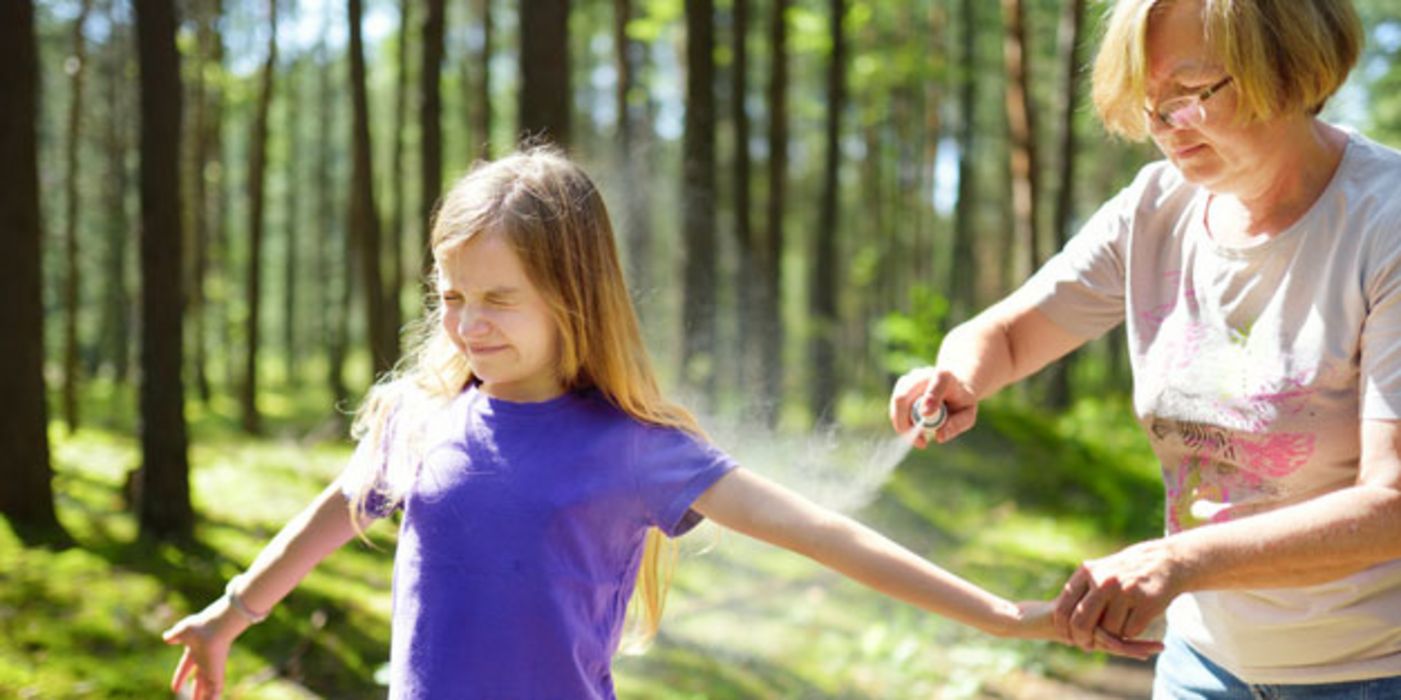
(1012, 506)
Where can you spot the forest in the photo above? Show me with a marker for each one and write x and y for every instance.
(218, 214)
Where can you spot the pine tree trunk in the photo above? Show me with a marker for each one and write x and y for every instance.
(27, 498)
(1021, 124)
(117, 316)
(72, 283)
(771, 356)
(205, 194)
(636, 219)
(430, 130)
(364, 217)
(479, 89)
(746, 286)
(397, 223)
(824, 283)
(1058, 389)
(545, 86)
(163, 486)
(698, 200)
(333, 280)
(257, 167)
(292, 272)
(963, 294)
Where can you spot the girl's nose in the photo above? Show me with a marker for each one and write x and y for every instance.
(472, 323)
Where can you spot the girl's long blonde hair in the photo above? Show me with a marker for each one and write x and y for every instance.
(554, 218)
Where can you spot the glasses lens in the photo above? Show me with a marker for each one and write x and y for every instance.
(1183, 111)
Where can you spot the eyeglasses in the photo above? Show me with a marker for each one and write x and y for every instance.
(1187, 110)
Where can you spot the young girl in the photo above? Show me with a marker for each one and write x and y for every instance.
(538, 468)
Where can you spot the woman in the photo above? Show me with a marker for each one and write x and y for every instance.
(1257, 271)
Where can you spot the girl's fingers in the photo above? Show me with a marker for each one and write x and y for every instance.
(182, 670)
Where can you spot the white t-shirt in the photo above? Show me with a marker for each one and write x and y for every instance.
(1253, 368)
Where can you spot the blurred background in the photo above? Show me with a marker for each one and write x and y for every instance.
(228, 233)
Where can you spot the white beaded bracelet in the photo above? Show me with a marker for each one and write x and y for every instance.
(238, 605)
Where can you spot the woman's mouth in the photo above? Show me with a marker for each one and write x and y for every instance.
(1188, 151)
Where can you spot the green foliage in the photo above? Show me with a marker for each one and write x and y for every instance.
(912, 340)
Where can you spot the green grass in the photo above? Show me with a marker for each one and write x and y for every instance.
(1014, 506)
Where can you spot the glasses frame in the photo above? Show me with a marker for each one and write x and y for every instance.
(1166, 112)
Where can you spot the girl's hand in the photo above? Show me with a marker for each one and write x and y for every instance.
(933, 386)
(207, 637)
(1033, 621)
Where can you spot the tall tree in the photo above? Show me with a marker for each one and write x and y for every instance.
(430, 128)
(746, 242)
(771, 355)
(163, 482)
(963, 295)
(291, 261)
(823, 285)
(114, 322)
(1071, 25)
(364, 217)
(545, 86)
(206, 193)
(27, 499)
(1021, 125)
(637, 224)
(333, 280)
(257, 170)
(698, 198)
(71, 282)
(396, 171)
(479, 89)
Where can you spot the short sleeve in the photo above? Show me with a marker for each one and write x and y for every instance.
(368, 472)
(672, 469)
(1082, 288)
(1380, 363)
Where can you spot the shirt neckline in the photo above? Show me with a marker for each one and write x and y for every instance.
(1204, 196)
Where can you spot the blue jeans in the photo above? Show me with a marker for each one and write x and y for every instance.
(1184, 674)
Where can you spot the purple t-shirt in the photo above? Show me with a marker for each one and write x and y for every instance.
(521, 537)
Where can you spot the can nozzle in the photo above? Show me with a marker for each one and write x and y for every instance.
(927, 424)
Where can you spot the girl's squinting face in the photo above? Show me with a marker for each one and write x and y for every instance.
(498, 319)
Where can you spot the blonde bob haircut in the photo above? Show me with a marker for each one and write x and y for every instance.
(551, 214)
(1285, 56)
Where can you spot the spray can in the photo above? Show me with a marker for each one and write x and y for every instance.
(927, 424)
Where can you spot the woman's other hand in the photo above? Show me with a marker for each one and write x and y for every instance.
(1109, 603)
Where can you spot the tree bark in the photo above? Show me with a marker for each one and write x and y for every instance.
(1058, 389)
(291, 270)
(257, 167)
(431, 131)
(206, 182)
(333, 284)
(545, 86)
(479, 103)
(27, 498)
(72, 282)
(698, 199)
(364, 217)
(1021, 124)
(397, 223)
(962, 263)
(824, 283)
(637, 220)
(749, 254)
(163, 490)
(117, 317)
(771, 355)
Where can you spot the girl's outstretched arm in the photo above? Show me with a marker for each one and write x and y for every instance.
(207, 635)
(754, 506)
